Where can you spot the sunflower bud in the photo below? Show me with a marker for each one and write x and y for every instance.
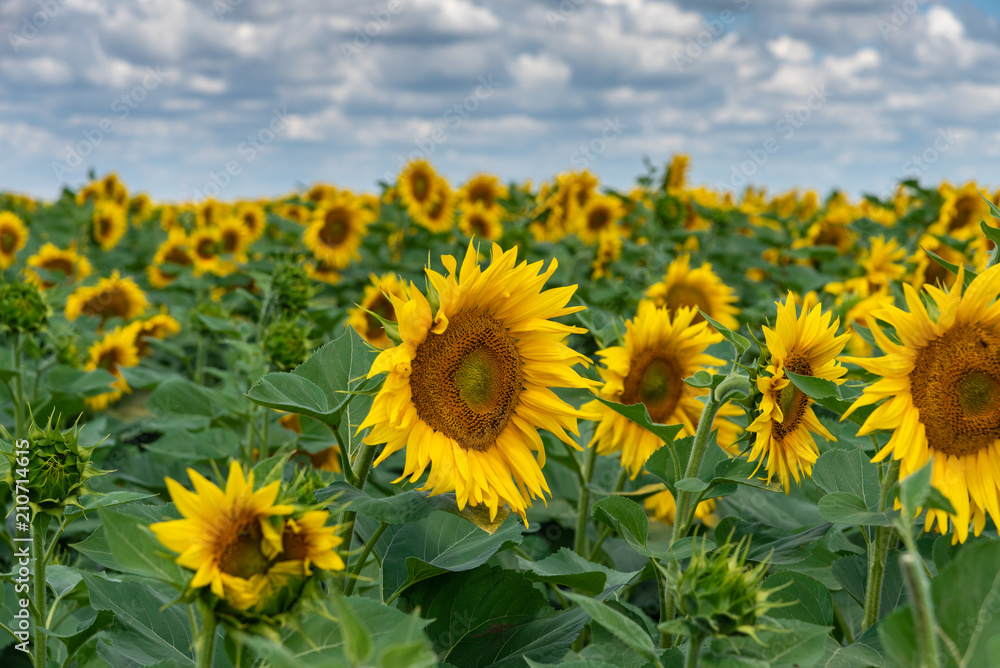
(718, 594)
(59, 467)
(22, 308)
(292, 288)
(287, 343)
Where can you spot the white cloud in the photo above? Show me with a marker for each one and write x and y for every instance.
(790, 49)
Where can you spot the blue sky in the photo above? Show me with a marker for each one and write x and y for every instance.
(261, 96)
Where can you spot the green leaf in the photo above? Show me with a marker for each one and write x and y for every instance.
(846, 508)
(852, 574)
(147, 624)
(789, 644)
(812, 599)
(75, 641)
(741, 472)
(700, 378)
(438, 543)
(953, 268)
(850, 471)
(569, 569)
(784, 547)
(68, 381)
(637, 413)
(693, 485)
(829, 394)
(357, 639)
(851, 656)
(136, 549)
(965, 596)
(661, 462)
(627, 518)
(62, 579)
(618, 624)
(915, 488)
(197, 446)
(292, 394)
(740, 342)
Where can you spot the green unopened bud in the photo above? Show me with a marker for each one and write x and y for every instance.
(287, 343)
(22, 308)
(292, 288)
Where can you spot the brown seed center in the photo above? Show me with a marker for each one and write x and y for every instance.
(792, 400)
(336, 226)
(655, 380)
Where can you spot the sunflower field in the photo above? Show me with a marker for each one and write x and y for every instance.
(501, 424)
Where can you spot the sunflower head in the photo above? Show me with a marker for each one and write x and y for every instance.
(663, 507)
(253, 219)
(602, 214)
(416, 184)
(50, 264)
(13, 237)
(376, 304)
(117, 350)
(481, 222)
(485, 190)
(336, 231)
(700, 289)
(438, 214)
(675, 178)
(22, 308)
(111, 297)
(110, 222)
(158, 327)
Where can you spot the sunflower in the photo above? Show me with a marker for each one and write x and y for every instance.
(109, 224)
(336, 231)
(234, 238)
(169, 220)
(882, 262)
(173, 251)
(439, 214)
(961, 212)
(807, 345)
(485, 190)
(601, 214)
(206, 250)
(675, 178)
(832, 229)
(253, 218)
(113, 353)
(376, 301)
(320, 271)
(416, 185)
(941, 383)
(307, 539)
(469, 386)
(210, 213)
(327, 459)
(609, 249)
(664, 508)
(479, 221)
(158, 327)
(73, 266)
(228, 538)
(111, 297)
(141, 207)
(319, 192)
(700, 288)
(13, 236)
(661, 348)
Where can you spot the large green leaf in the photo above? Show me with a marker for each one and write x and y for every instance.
(627, 518)
(619, 625)
(852, 573)
(788, 643)
(441, 542)
(135, 548)
(779, 546)
(846, 508)
(197, 446)
(637, 413)
(851, 656)
(838, 398)
(569, 569)
(811, 599)
(849, 471)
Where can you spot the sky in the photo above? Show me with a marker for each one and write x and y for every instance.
(253, 98)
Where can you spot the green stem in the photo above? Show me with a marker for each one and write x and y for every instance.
(694, 649)
(606, 530)
(666, 604)
(919, 589)
(841, 621)
(204, 647)
(685, 514)
(19, 429)
(360, 470)
(583, 506)
(40, 527)
(877, 552)
(356, 571)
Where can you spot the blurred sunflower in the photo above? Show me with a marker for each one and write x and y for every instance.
(253, 218)
(664, 508)
(700, 288)
(206, 252)
(327, 459)
(416, 185)
(941, 384)
(439, 214)
(882, 262)
(609, 249)
(234, 239)
(928, 270)
(13, 237)
(660, 350)
(111, 297)
(73, 266)
(469, 386)
(172, 252)
(169, 219)
(961, 212)
(320, 191)
(210, 213)
(109, 224)
(485, 190)
(159, 326)
(807, 345)
(113, 353)
(602, 214)
(375, 300)
(336, 231)
(480, 222)
(320, 271)
(675, 178)
(140, 208)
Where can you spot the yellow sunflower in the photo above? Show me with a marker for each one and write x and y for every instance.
(173, 251)
(609, 249)
(111, 297)
(169, 220)
(485, 190)
(416, 185)
(140, 207)
(469, 385)
(206, 252)
(376, 301)
(157, 327)
(320, 191)
(601, 214)
(307, 539)
(700, 288)
(113, 352)
(210, 213)
(71, 264)
(664, 508)
(327, 459)
(336, 231)
(961, 212)
(675, 178)
(439, 214)
(941, 383)
(253, 218)
(234, 238)
(882, 262)
(13, 237)
(320, 271)
(807, 345)
(660, 350)
(109, 224)
(480, 222)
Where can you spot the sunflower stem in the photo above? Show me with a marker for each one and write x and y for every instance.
(356, 571)
(204, 647)
(667, 605)
(19, 430)
(694, 650)
(877, 552)
(583, 506)
(919, 589)
(40, 529)
(606, 530)
(683, 517)
(360, 470)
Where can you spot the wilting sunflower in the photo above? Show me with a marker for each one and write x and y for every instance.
(480, 222)
(469, 386)
(49, 258)
(336, 231)
(807, 345)
(601, 214)
(13, 237)
(699, 288)
(111, 297)
(109, 224)
(416, 185)
(664, 508)
(172, 255)
(375, 300)
(485, 190)
(941, 383)
(113, 353)
(157, 327)
(660, 350)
